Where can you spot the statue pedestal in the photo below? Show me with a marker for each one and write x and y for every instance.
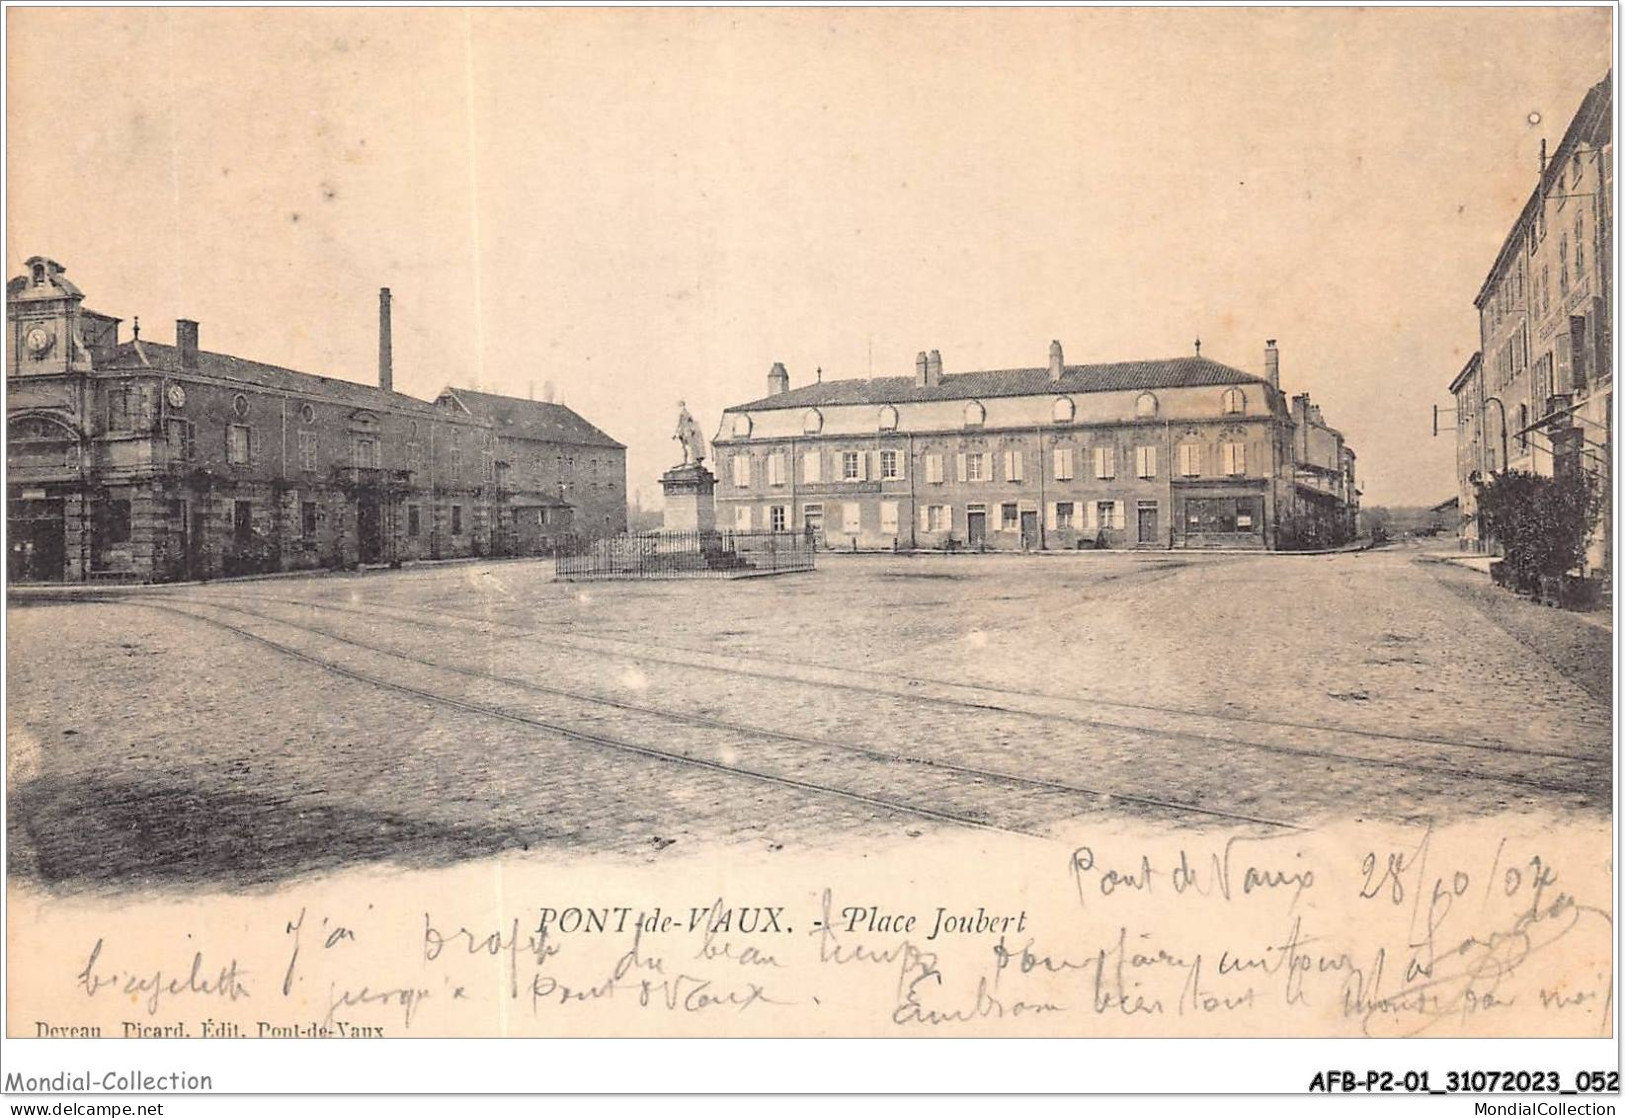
(690, 499)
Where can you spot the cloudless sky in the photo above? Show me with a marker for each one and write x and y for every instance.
(645, 206)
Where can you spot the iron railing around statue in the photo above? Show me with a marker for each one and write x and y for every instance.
(713, 554)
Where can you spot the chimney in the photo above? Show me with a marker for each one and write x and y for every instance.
(1057, 364)
(933, 368)
(778, 380)
(186, 342)
(1272, 364)
(386, 355)
(921, 363)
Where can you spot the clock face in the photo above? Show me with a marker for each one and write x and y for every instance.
(177, 396)
(38, 339)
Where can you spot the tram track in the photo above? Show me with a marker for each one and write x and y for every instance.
(960, 773)
(991, 704)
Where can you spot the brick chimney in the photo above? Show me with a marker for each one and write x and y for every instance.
(1272, 364)
(933, 368)
(186, 342)
(778, 379)
(386, 350)
(1057, 363)
(921, 362)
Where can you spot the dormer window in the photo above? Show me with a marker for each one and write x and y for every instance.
(39, 272)
(1063, 410)
(975, 414)
(888, 418)
(1146, 406)
(1233, 402)
(742, 426)
(812, 422)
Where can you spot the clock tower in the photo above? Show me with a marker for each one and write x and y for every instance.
(50, 331)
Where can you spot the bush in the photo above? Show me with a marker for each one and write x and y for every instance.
(1542, 523)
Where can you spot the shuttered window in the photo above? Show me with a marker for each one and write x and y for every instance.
(1145, 461)
(1235, 458)
(888, 517)
(812, 467)
(1190, 459)
(933, 469)
(852, 518)
(1013, 465)
(1105, 462)
(1063, 463)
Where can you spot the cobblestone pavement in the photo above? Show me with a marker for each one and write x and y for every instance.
(446, 713)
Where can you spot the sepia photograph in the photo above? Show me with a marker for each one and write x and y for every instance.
(1051, 525)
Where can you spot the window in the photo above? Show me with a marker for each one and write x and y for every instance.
(1223, 514)
(1063, 515)
(308, 414)
(1563, 265)
(1105, 461)
(742, 518)
(454, 463)
(888, 518)
(973, 466)
(1523, 426)
(179, 434)
(975, 414)
(1063, 463)
(1145, 461)
(812, 422)
(112, 523)
(775, 468)
(1579, 245)
(742, 426)
(364, 453)
(1234, 458)
(239, 404)
(1190, 459)
(851, 465)
(852, 518)
(1009, 517)
(307, 450)
(456, 520)
(1106, 515)
(812, 467)
(888, 418)
(239, 444)
(1013, 465)
(1234, 402)
(1146, 406)
(741, 470)
(1063, 410)
(414, 520)
(123, 407)
(888, 465)
(777, 518)
(933, 469)
(307, 519)
(936, 518)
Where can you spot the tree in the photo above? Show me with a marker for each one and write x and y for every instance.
(1542, 523)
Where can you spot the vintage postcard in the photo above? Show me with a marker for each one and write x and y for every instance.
(810, 523)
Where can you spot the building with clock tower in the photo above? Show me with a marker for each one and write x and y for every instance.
(135, 460)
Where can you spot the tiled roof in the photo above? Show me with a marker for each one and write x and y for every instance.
(1176, 372)
(167, 358)
(532, 419)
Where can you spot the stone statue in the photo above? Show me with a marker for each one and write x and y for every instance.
(688, 434)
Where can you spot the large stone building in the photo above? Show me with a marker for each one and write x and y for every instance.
(1184, 452)
(1537, 396)
(135, 460)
